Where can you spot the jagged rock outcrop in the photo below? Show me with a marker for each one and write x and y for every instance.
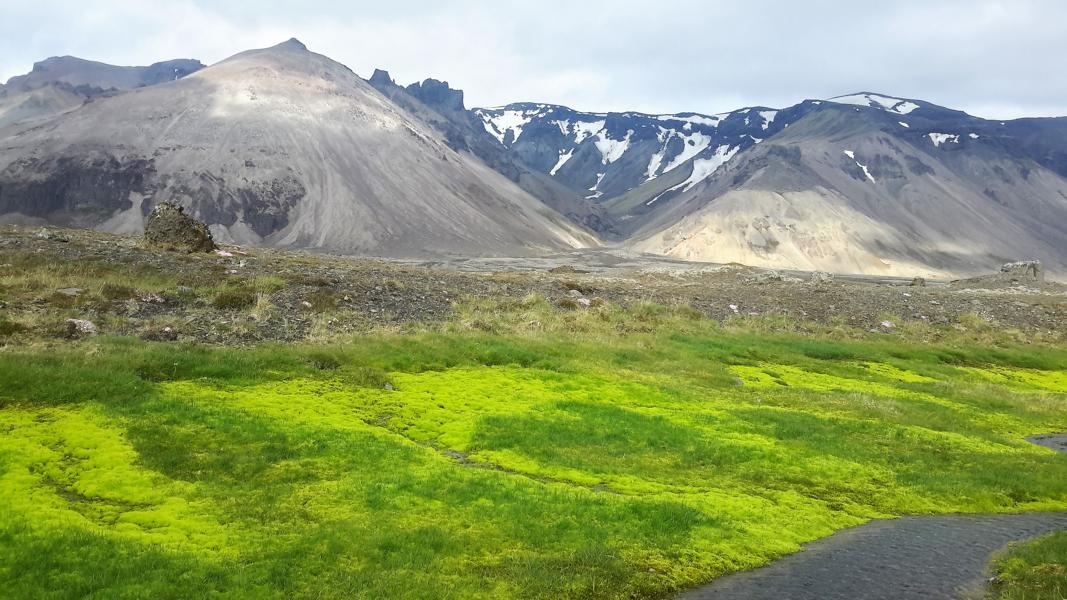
(169, 228)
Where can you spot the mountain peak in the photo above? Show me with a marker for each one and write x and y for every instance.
(381, 76)
(292, 44)
(438, 94)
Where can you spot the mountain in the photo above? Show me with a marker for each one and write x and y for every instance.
(443, 108)
(873, 184)
(63, 83)
(629, 161)
(280, 147)
(285, 147)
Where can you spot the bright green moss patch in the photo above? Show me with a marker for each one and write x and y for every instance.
(1053, 381)
(471, 466)
(71, 468)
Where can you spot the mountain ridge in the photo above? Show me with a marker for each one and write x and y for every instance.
(916, 186)
(276, 146)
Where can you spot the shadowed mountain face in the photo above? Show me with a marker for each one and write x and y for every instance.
(279, 147)
(63, 83)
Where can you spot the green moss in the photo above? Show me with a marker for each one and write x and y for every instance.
(1035, 570)
(487, 466)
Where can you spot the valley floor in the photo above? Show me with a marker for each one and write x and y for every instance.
(286, 425)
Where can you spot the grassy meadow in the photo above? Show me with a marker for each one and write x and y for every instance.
(516, 450)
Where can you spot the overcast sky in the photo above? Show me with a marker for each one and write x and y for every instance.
(996, 59)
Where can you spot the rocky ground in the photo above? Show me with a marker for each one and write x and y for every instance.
(248, 295)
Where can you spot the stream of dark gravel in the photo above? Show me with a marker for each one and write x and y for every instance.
(920, 558)
(917, 558)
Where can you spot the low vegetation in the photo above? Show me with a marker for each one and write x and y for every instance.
(509, 448)
(1035, 570)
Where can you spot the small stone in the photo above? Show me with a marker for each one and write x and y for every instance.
(80, 328)
(768, 277)
(888, 324)
(574, 293)
(306, 304)
(388, 386)
(822, 277)
(45, 233)
(585, 302)
(734, 308)
(70, 291)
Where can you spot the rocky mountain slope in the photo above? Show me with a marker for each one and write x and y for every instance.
(441, 107)
(858, 186)
(278, 147)
(284, 147)
(626, 160)
(63, 83)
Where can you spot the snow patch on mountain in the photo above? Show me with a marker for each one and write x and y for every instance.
(702, 169)
(563, 158)
(587, 129)
(706, 167)
(654, 164)
(866, 171)
(514, 121)
(894, 105)
(768, 117)
(694, 144)
(612, 150)
(596, 193)
(709, 121)
(943, 138)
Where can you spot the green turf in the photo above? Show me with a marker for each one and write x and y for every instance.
(1035, 570)
(597, 461)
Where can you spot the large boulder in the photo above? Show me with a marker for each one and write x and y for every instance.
(1027, 271)
(169, 228)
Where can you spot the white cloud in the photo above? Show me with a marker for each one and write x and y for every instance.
(708, 56)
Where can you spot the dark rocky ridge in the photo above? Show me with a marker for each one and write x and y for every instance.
(442, 107)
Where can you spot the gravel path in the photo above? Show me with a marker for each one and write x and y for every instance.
(914, 557)
(1052, 441)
